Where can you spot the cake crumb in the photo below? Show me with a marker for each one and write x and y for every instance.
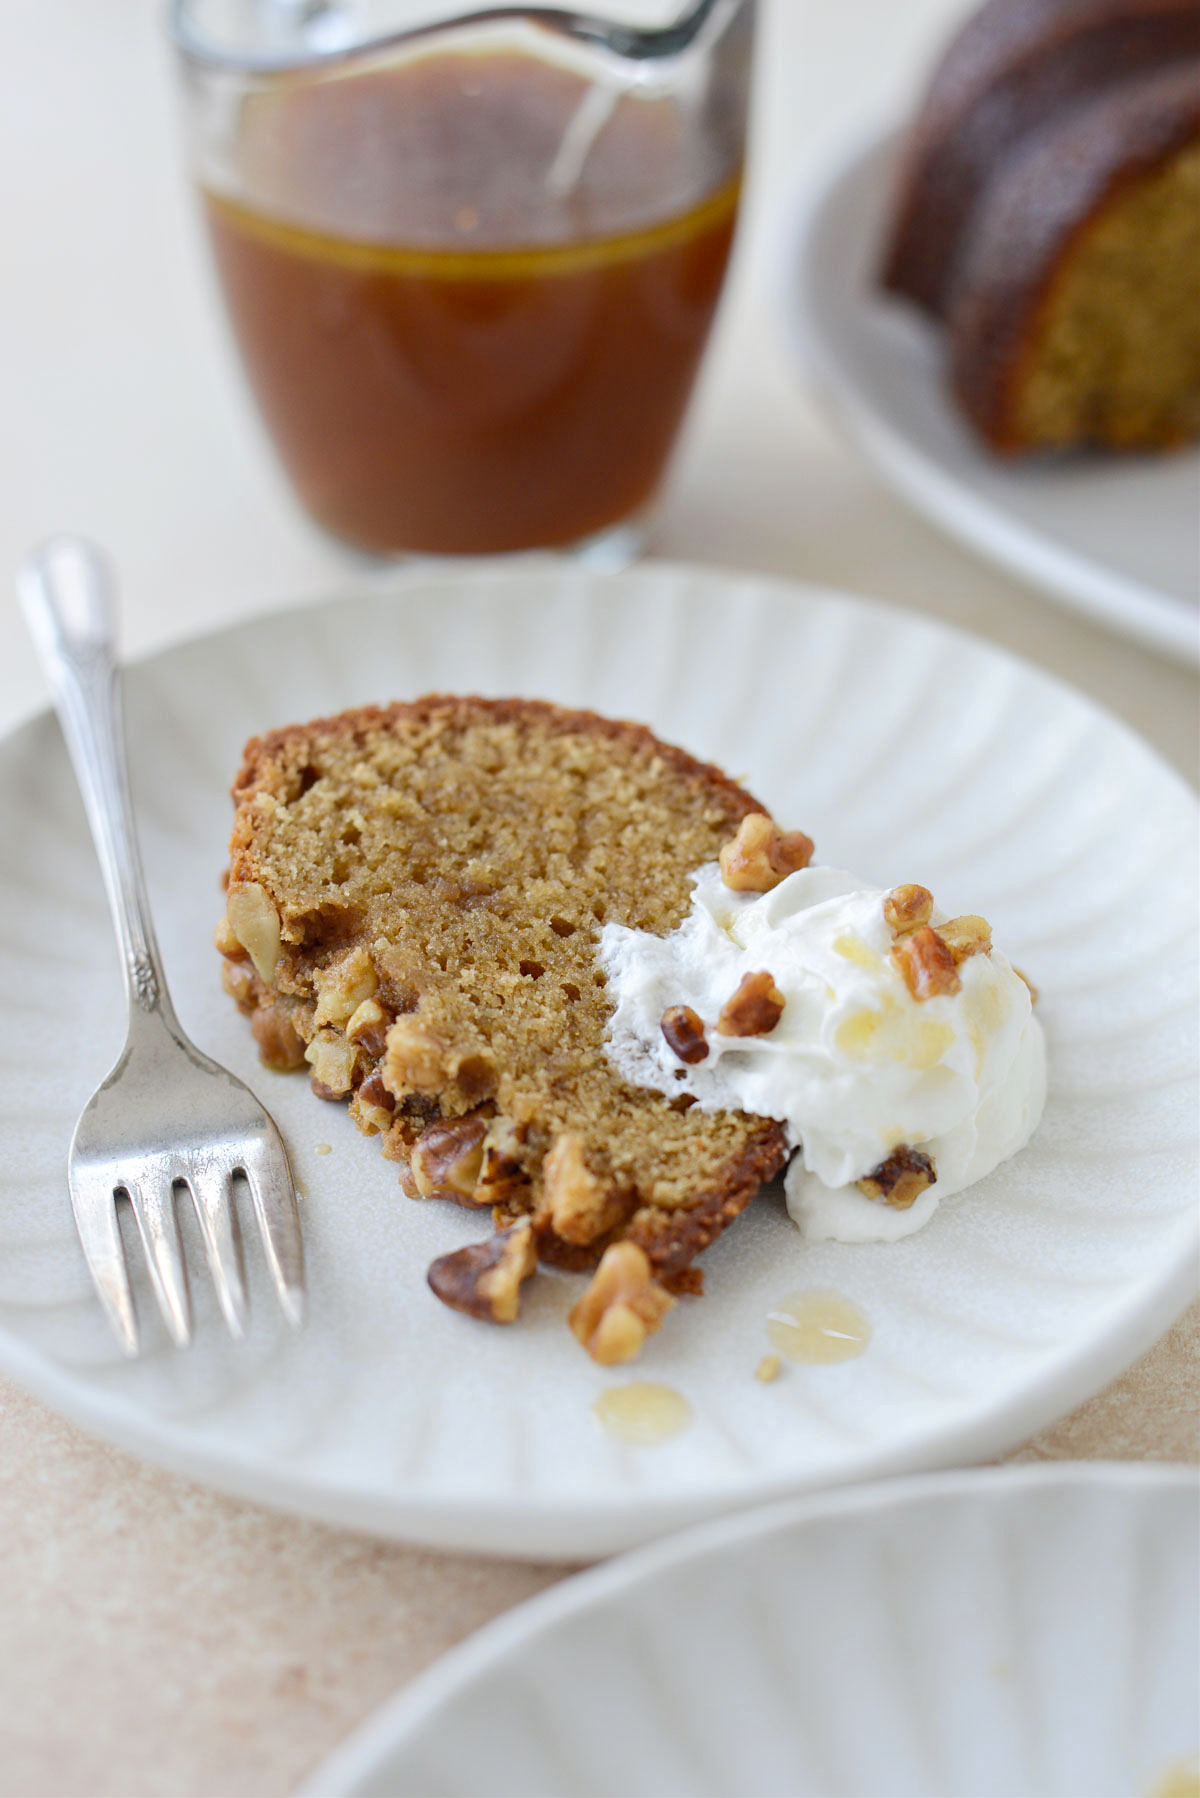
(767, 1369)
(324, 1148)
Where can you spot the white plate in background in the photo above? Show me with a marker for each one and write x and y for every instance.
(909, 752)
(1117, 538)
(1010, 1633)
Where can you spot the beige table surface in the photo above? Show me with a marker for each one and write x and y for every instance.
(155, 1637)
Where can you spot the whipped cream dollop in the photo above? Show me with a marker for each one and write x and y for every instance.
(855, 1067)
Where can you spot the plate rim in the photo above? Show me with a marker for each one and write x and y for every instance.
(382, 1732)
(571, 1528)
(1157, 620)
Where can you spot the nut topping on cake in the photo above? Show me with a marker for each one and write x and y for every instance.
(254, 921)
(485, 1279)
(684, 1031)
(754, 1009)
(414, 1059)
(928, 967)
(579, 1205)
(900, 1179)
(447, 1158)
(966, 936)
(761, 855)
(281, 1048)
(333, 1062)
(623, 1305)
(342, 986)
(906, 908)
(502, 1176)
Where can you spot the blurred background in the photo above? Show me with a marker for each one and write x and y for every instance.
(127, 418)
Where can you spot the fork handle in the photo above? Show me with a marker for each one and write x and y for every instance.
(66, 594)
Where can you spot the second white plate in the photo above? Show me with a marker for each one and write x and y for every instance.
(908, 752)
(1013, 1633)
(1116, 538)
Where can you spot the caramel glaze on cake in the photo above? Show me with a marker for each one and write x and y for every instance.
(414, 902)
(1016, 66)
(1075, 313)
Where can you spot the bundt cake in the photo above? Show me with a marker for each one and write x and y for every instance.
(1075, 318)
(1014, 67)
(414, 900)
(1047, 213)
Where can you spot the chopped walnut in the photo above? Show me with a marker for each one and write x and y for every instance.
(447, 1157)
(906, 908)
(334, 1062)
(238, 978)
(416, 1060)
(622, 1306)
(900, 1179)
(684, 1031)
(279, 1044)
(408, 1185)
(342, 985)
(502, 1174)
(227, 943)
(926, 963)
(485, 1279)
(373, 1105)
(761, 855)
(754, 1009)
(368, 1026)
(578, 1204)
(966, 936)
(254, 921)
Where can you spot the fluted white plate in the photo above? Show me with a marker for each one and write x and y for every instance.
(908, 752)
(1015, 1633)
(1113, 537)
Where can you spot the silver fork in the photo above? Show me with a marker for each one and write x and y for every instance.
(166, 1117)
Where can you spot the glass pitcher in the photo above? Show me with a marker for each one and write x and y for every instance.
(471, 259)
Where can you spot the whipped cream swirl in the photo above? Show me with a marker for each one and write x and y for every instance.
(856, 1067)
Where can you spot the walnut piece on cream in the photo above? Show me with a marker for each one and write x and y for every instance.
(755, 1008)
(925, 961)
(760, 855)
(907, 907)
(900, 1180)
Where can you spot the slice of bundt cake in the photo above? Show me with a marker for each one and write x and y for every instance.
(1075, 312)
(415, 897)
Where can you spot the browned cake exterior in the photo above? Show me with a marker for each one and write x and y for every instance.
(1075, 313)
(1015, 66)
(414, 902)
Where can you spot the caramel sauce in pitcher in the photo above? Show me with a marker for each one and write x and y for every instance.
(452, 352)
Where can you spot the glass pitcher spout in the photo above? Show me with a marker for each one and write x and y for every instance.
(274, 36)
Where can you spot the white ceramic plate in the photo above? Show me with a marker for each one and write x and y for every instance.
(1116, 538)
(909, 752)
(1015, 1633)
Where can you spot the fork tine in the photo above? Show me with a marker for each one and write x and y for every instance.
(271, 1187)
(154, 1209)
(213, 1204)
(96, 1221)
